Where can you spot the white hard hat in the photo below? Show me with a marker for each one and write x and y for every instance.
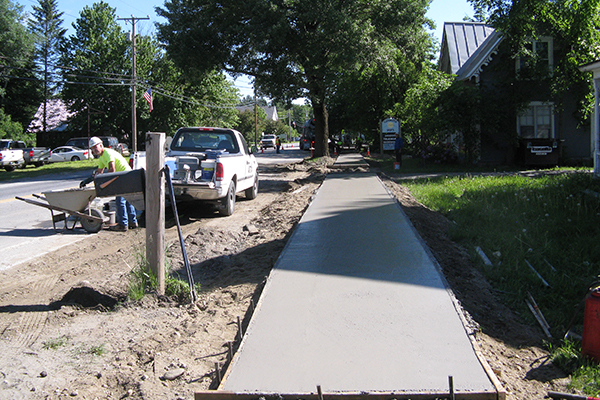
(94, 141)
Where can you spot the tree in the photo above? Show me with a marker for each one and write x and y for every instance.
(459, 110)
(10, 129)
(277, 128)
(180, 99)
(250, 126)
(419, 109)
(46, 26)
(294, 48)
(99, 72)
(19, 87)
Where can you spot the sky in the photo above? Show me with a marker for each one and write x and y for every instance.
(440, 11)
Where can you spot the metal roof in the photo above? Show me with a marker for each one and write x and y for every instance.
(466, 47)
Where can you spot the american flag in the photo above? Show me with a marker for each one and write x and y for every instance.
(148, 97)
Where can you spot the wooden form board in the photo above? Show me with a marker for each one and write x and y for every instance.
(224, 395)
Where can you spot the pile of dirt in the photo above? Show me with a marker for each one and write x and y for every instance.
(53, 345)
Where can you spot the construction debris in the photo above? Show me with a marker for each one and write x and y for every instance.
(538, 314)
(485, 258)
(538, 274)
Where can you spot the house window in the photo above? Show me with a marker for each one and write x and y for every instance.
(536, 121)
(540, 51)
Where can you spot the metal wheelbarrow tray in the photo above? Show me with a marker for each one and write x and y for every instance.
(75, 202)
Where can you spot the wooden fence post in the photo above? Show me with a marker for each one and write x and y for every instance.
(155, 206)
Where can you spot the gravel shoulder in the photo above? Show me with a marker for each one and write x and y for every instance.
(66, 330)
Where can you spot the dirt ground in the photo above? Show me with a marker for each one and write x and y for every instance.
(67, 331)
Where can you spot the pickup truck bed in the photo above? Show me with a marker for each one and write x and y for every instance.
(36, 156)
(210, 164)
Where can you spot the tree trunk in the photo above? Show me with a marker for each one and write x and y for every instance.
(321, 130)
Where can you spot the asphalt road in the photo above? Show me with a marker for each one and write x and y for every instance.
(26, 230)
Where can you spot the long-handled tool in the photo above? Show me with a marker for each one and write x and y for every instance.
(181, 242)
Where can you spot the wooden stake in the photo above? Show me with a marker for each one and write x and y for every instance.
(218, 372)
(537, 310)
(319, 392)
(537, 317)
(155, 207)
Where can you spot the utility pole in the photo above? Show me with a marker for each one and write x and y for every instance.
(133, 20)
(289, 125)
(255, 120)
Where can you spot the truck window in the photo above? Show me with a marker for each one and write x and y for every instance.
(196, 140)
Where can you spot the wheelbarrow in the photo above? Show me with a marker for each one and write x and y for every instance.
(76, 203)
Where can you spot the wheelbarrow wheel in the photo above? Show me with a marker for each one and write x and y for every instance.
(90, 225)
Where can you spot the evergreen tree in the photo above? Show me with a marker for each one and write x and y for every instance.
(46, 26)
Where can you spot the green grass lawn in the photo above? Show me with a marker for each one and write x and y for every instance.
(547, 222)
(53, 168)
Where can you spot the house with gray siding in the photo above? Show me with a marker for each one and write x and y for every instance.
(525, 124)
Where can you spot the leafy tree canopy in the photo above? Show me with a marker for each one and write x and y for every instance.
(10, 129)
(98, 76)
(17, 44)
(294, 48)
(19, 89)
(251, 127)
(180, 100)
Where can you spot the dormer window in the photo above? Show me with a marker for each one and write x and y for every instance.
(538, 54)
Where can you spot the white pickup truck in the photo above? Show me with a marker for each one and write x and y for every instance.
(11, 154)
(209, 164)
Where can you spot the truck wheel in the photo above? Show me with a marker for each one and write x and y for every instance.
(228, 205)
(90, 225)
(252, 192)
(9, 168)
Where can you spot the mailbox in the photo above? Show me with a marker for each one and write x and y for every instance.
(540, 151)
(127, 184)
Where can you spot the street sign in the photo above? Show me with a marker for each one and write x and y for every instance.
(389, 128)
(390, 125)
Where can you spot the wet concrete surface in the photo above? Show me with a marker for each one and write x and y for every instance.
(355, 303)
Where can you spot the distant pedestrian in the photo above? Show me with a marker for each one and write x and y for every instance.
(112, 161)
(398, 144)
(278, 144)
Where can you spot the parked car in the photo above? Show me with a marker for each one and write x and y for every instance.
(268, 141)
(36, 156)
(110, 142)
(11, 154)
(68, 153)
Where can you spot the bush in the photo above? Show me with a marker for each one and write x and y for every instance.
(438, 154)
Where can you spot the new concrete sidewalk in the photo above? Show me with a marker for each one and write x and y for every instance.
(355, 303)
